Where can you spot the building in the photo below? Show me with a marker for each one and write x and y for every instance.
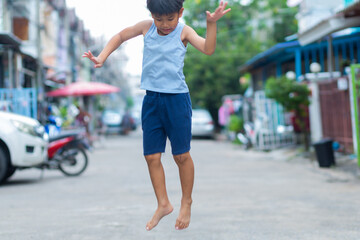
(331, 41)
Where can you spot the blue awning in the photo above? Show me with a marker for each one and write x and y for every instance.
(262, 57)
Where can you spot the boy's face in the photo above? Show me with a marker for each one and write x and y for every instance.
(165, 24)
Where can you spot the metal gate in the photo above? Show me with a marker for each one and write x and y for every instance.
(271, 124)
(22, 101)
(336, 113)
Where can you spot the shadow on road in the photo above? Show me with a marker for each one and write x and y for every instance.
(15, 181)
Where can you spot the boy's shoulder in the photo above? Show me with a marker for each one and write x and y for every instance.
(143, 26)
(146, 23)
(187, 27)
(187, 30)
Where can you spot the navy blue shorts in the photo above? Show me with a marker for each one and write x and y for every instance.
(163, 116)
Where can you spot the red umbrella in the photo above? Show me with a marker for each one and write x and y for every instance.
(83, 89)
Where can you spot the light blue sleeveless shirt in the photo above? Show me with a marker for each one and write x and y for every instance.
(163, 62)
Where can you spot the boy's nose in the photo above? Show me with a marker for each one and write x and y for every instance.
(165, 25)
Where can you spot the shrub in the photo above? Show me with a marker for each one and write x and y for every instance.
(236, 123)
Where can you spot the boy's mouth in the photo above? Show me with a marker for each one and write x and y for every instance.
(167, 30)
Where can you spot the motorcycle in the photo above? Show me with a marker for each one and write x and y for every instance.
(53, 125)
(67, 153)
(247, 138)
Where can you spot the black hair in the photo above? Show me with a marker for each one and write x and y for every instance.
(164, 7)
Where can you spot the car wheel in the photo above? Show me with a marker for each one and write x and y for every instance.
(3, 165)
(10, 172)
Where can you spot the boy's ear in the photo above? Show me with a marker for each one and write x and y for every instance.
(181, 12)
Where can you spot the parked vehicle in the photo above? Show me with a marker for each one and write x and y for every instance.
(23, 143)
(202, 124)
(53, 125)
(112, 120)
(127, 123)
(248, 136)
(67, 153)
(118, 121)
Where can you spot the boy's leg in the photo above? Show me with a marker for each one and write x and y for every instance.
(186, 172)
(157, 176)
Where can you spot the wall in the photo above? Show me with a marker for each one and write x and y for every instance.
(312, 12)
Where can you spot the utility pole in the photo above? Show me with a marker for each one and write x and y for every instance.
(39, 72)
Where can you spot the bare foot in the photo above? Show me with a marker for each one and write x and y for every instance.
(158, 215)
(183, 219)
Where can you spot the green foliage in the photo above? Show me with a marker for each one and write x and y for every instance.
(63, 112)
(236, 123)
(293, 96)
(211, 77)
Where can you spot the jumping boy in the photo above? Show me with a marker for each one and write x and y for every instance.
(166, 111)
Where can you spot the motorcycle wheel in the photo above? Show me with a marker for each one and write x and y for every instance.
(73, 161)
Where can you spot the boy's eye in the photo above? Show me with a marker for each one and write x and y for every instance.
(170, 19)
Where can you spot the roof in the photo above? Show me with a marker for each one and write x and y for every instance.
(352, 10)
(346, 18)
(261, 57)
(9, 39)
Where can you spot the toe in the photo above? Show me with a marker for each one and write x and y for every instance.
(149, 226)
(177, 225)
(183, 226)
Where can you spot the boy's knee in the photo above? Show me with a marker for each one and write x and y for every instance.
(153, 158)
(181, 158)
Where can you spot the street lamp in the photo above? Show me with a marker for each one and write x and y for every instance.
(315, 67)
(290, 75)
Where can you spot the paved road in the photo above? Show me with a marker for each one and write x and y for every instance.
(237, 195)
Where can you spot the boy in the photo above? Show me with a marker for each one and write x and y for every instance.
(166, 110)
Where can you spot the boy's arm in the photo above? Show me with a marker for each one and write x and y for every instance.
(117, 40)
(207, 45)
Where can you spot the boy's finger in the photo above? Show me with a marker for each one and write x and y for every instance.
(227, 10)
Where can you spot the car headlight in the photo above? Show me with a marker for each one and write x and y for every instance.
(26, 128)
(40, 131)
(46, 137)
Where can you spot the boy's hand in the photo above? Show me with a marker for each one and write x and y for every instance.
(219, 12)
(96, 60)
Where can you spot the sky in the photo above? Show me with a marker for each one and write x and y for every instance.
(108, 17)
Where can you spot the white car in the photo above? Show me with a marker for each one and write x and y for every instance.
(202, 124)
(23, 143)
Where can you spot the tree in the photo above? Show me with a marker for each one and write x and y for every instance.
(211, 77)
(293, 96)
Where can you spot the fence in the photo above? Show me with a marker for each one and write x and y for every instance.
(22, 101)
(271, 124)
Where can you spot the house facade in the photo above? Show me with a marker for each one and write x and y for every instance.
(41, 43)
(333, 52)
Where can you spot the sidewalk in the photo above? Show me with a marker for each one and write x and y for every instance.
(346, 165)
